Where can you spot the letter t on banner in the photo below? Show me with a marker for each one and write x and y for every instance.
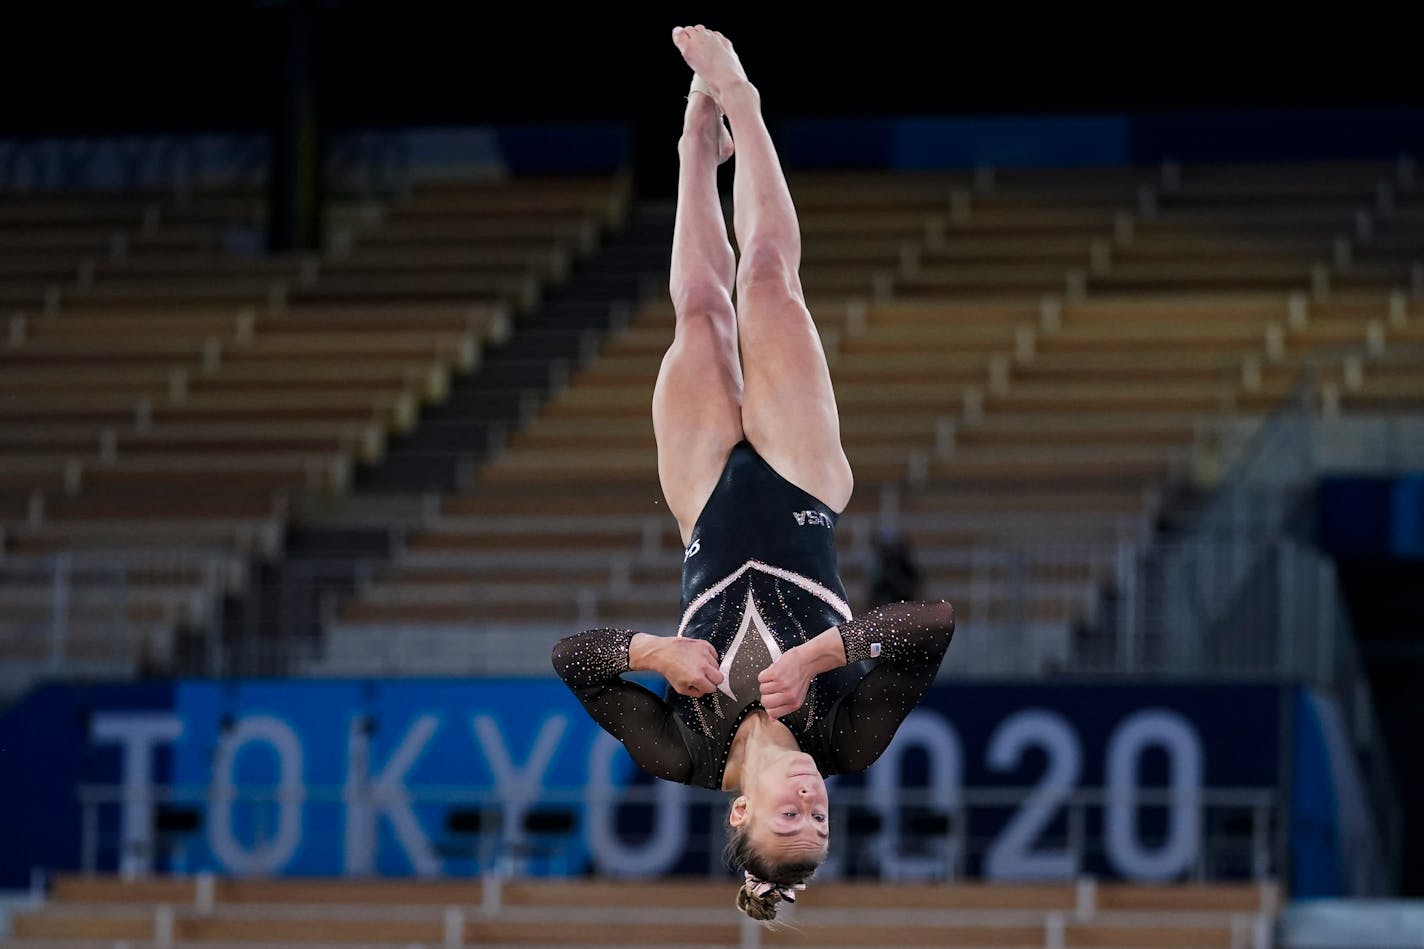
(137, 734)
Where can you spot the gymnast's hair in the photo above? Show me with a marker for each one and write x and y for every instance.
(759, 902)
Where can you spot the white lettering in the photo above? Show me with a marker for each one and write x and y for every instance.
(385, 795)
(1176, 736)
(518, 787)
(1012, 856)
(930, 731)
(610, 854)
(137, 734)
(265, 856)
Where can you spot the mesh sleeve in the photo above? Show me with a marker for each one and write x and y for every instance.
(591, 664)
(907, 643)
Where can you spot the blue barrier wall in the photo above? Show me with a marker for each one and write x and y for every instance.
(360, 777)
(1361, 516)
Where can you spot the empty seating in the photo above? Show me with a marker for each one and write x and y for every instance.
(1024, 361)
(162, 398)
(558, 913)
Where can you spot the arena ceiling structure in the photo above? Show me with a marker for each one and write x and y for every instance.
(91, 68)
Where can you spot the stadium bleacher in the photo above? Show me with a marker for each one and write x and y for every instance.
(1060, 344)
(450, 913)
(162, 402)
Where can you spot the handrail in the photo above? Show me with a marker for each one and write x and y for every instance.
(952, 846)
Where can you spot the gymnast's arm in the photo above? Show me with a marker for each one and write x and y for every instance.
(592, 664)
(907, 643)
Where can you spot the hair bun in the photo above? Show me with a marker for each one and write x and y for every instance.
(757, 902)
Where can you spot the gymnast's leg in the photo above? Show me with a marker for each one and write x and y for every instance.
(697, 399)
(788, 406)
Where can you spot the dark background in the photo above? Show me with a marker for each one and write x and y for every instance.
(119, 67)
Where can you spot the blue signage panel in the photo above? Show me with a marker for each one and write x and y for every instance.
(414, 777)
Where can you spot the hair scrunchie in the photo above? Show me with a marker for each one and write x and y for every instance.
(760, 888)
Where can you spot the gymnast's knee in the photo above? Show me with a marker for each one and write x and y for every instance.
(767, 274)
(705, 299)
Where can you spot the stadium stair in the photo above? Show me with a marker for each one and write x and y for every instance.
(330, 546)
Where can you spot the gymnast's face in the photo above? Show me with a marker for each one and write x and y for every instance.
(786, 810)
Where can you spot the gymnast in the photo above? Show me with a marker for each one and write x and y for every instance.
(772, 683)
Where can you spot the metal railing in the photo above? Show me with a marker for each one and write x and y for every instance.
(922, 834)
(97, 614)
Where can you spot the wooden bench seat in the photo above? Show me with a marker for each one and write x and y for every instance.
(256, 473)
(930, 337)
(449, 537)
(50, 210)
(203, 506)
(395, 407)
(1182, 305)
(951, 275)
(848, 249)
(23, 382)
(415, 285)
(87, 240)
(877, 225)
(1380, 275)
(1034, 217)
(374, 246)
(940, 501)
(488, 262)
(1156, 436)
(1226, 339)
(112, 348)
(634, 497)
(1050, 362)
(1068, 250)
(841, 279)
(572, 230)
(971, 317)
(237, 288)
(1291, 277)
(383, 381)
(1120, 466)
(406, 316)
(24, 294)
(1323, 223)
(224, 326)
(185, 269)
(594, 196)
(96, 602)
(500, 575)
(120, 538)
(1225, 272)
(88, 644)
(1072, 397)
(1185, 246)
(37, 270)
(458, 346)
(855, 200)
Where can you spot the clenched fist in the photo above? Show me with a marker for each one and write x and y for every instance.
(784, 683)
(688, 665)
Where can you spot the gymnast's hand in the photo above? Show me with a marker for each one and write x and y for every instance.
(784, 683)
(688, 665)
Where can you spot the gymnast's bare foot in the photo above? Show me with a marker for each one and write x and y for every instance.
(711, 56)
(703, 120)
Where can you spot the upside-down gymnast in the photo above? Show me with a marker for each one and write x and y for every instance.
(772, 684)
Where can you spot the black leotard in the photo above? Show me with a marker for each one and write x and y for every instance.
(758, 578)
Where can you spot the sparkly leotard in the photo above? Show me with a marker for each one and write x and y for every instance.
(759, 577)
